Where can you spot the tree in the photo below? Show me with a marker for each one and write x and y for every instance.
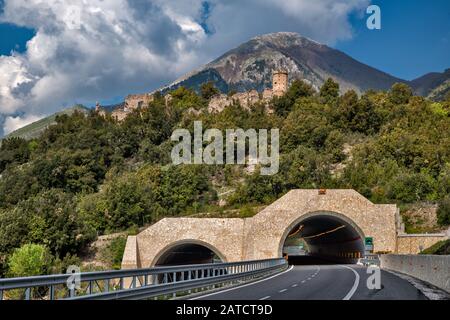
(342, 115)
(329, 90)
(363, 117)
(184, 99)
(306, 125)
(113, 253)
(13, 150)
(29, 260)
(400, 93)
(409, 187)
(138, 198)
(208, 90)
(49, 219)
(443, 212)
(298, 89)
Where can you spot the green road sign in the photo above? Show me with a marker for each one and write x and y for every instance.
(368, 244)
(368, 241)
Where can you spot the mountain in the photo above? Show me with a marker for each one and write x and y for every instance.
(34, 129)
(250, 66)
(435, 85)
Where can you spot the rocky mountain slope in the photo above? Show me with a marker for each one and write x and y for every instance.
(435, 85)
(250, 66)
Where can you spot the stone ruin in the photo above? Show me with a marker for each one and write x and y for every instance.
(217, 103)
(279, 87)
(132, 102)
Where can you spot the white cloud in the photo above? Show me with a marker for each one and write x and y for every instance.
(13, 75)
(327, 17)
(14, 123)
(130, 46)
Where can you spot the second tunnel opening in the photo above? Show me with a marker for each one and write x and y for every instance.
(323, 238)
(188, 253)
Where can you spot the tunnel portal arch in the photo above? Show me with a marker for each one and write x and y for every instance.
(328, 234)
(262, 236)
(186, 245)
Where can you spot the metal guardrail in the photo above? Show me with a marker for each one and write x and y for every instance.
(135, 283)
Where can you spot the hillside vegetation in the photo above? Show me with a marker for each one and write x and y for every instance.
(87, 175)
(439, 248)
(35, 129)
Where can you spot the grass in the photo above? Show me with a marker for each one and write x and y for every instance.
(113, 253)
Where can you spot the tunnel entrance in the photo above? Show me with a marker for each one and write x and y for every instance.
(323, 238)
(184, 253)
(187, 253)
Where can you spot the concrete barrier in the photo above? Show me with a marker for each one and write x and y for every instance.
(433, 269)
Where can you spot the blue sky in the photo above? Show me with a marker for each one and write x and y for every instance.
(414, 39)
(14, 38)
(134, 46)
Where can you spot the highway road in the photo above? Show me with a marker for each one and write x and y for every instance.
(320, 282)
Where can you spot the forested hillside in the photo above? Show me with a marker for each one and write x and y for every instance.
(89, 175)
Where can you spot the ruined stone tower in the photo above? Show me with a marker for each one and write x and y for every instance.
(279, 82)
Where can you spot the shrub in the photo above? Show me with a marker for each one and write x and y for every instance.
(400, 93)
(413, 187)
(29, 260)
(439, 248)
(60, 266)
(113, 253)
(329, 90)
(443, 212)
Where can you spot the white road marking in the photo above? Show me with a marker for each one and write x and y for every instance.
(265, 298)
(294, 285)
(282, 290)
(355, 284)
(303, 281)
(242, 286)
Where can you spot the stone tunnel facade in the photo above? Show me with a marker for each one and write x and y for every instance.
(262, 236)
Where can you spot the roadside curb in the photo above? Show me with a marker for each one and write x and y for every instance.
(428, 290)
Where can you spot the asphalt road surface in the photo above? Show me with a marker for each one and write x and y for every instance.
(320, 282)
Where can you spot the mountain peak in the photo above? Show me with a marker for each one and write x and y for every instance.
(250, 66)
(285, 39)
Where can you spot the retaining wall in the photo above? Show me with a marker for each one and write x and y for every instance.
(433, 269)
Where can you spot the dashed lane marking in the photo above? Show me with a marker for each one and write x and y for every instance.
(282, 290)
(242, 286)
(265, 298)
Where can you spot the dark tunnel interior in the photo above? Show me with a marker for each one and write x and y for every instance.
(323, 239)
(187, 253)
